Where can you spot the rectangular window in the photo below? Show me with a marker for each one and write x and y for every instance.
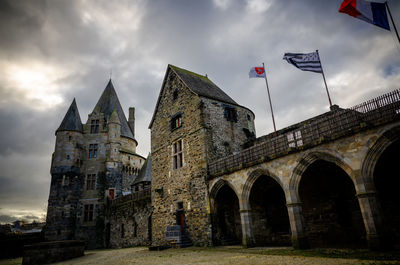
(93, 150)
(91, 182)
(230, 114)
(94, 126)
(176, 122)
(177, 154)
(88, 212)
(294, 139)
(122, 231)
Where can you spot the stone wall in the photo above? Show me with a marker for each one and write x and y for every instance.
(226, 137)
(129, 223)
(350, 154)
(186, 185)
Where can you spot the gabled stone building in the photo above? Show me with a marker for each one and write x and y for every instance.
(194, 122)
(91, 163)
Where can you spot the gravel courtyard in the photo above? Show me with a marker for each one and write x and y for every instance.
(228, 255)
(220, 255)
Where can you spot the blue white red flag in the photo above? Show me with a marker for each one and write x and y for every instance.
(257, 71)
(371, 12)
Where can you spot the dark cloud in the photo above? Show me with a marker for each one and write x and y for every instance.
(53, 51)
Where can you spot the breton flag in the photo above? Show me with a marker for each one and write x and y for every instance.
(304, 61)
(257, 71)
(371, 12)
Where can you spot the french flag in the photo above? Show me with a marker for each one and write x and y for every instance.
(371, 12)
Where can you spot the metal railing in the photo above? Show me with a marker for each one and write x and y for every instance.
(320, 129)
(138, 195)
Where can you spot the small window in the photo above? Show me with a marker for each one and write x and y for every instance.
(122, 230)
(67, 157)
(93, 150)
(69, 138)
(230, 114)
(94, 126)
(248, 117)
(177, 154)
(175, 95)
(176, 122)
(294, 139)
(88, 212)
(135, 229)
(65, 180)
(91, 182)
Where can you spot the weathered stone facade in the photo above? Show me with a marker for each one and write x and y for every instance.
(329, 181)
(91, 162)
(205, 131)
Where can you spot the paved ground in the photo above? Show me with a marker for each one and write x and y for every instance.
(194, 255)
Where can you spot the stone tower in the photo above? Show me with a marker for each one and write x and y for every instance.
(92, 163)
(194, 122)
(67, 180)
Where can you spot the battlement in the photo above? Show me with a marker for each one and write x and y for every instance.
(324, 128)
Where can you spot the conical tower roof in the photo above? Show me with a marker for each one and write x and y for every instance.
(72, 120)
(145, 172)
(109, 102)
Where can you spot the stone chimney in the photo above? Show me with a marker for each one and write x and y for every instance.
(131, 120)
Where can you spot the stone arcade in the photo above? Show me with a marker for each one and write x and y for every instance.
(329, 181)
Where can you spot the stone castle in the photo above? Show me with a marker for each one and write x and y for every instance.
(326, 181)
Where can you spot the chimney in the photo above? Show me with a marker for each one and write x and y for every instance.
(131, 120)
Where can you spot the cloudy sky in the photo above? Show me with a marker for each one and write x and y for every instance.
(53, 51)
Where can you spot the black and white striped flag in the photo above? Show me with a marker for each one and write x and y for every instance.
(304, 61)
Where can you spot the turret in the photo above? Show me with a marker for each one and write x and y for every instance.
(114, 133)
(131, 120)
(69, 140)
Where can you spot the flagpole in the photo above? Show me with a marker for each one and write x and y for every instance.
(269, 97)
(326, 86)
(391, 18)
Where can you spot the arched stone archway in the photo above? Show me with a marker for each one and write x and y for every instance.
(269, 215)
(380, 200)
(332, 215)
(226, 219)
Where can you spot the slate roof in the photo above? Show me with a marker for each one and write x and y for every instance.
(202, 86)
(109, 102)
(72, 120)
(145, 172)
(198, 84)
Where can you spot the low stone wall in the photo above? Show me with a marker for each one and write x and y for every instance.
(130, 223)
(49, 252)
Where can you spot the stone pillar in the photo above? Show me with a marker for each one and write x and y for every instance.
(245, 217)
(297, 225)
(372, 217)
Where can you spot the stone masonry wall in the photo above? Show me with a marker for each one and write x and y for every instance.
(225, 137)
(185, 185)
(129, 223)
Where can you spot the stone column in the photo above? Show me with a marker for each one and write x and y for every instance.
(372, 217)
(247, 232)
(297, 225)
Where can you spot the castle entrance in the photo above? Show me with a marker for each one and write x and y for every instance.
(270, 220)
(387, 183)
(227, 228)
(330, 207)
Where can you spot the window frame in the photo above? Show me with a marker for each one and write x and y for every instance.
(88, 212)
(230, 113)
(177, 155)
(93, 150)
(176, 121)
(91, 181)
(94, 126)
